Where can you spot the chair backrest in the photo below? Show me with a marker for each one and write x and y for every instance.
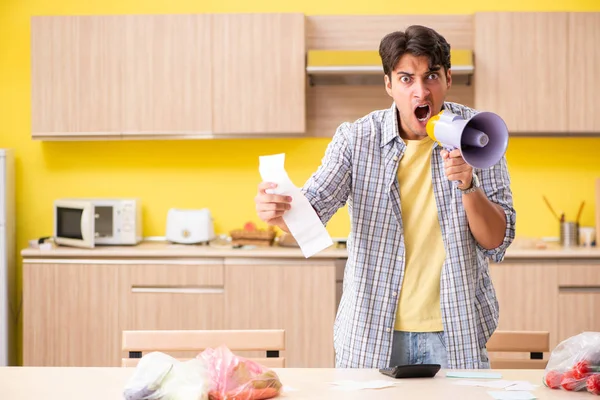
(533, 343)
(135, 343)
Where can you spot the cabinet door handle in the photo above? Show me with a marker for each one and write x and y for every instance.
(579, 289)
(177, 289)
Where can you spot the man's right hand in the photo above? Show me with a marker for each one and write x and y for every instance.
(271, 207)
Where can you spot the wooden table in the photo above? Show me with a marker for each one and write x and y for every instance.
(64, 383)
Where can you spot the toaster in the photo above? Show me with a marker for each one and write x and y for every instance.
(189, 226)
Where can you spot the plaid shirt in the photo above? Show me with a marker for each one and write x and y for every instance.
(359, 168)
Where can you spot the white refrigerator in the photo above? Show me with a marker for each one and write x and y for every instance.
(8, 356)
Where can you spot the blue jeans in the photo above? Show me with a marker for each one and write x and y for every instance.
(423, 348)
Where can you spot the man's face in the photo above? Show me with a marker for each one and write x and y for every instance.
(419, 93)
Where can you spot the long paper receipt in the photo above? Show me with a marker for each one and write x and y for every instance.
(302, 220)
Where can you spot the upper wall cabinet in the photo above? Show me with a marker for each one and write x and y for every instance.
(167, 76)
(521, 69)
(95, 76)
(584, 79)
(537, 70)
(259, 73)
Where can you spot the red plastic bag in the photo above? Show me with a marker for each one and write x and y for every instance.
(574, 364)
(237, 378)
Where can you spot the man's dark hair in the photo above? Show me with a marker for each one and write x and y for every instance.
(416, 40)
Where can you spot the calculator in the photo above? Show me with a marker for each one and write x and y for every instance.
(411, 371)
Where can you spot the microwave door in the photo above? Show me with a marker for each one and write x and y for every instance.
(74, 223)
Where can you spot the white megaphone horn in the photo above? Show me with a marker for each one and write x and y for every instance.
(482, 139)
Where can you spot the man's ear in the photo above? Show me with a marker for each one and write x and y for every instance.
(449, 78)
(388, 85)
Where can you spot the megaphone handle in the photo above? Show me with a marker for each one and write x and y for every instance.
(449, 149)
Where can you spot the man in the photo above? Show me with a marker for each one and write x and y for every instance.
(417, 287)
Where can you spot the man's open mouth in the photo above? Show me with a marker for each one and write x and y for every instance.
(423, 112)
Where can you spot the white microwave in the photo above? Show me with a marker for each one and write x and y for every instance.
(91, 222)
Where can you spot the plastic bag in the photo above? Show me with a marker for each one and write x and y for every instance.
(160, 376)
(574, 364)
(236, 378)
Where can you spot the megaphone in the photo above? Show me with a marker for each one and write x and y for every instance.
(482, 139)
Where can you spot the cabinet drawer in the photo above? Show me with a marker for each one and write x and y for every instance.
(579, 275)
(176, 276)
(174, 294)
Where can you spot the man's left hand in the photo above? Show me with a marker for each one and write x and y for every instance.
(457, 169)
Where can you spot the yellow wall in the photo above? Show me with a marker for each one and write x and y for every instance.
(222, 174)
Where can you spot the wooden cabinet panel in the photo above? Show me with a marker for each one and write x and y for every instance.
(579, 298)
(298, 296)
(579, 274)
(174, 295)
(584, 59)
(521, 70)
(166, 76)
(167, 85)
(127, 74)
(259, 73)
(75, 310)
(71, 314)
(77, 76)
(578, 311)
(527, 296)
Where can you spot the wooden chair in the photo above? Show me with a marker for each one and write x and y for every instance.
(535, 343)
(169, 341)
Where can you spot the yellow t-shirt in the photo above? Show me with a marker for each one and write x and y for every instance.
(419, 302)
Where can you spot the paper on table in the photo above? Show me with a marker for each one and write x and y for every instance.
(359, 385)
(514, 395)
(522, 385)
(467, 374)
(302, 220)
(501, 384)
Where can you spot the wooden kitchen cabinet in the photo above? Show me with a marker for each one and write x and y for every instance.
(118, 76)
(76, 302)
(74, 312)
(71, 314)
(298, 296)
(522, 71)
(578, 311)
(579, 299)
(167, 76)
(174, 295)
(76, 76)
(527, 293)
(259, 73)
(584, 58)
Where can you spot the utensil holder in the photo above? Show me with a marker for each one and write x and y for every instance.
(569, 234)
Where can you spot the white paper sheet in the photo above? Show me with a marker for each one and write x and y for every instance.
(361, 385)
(474, 374)
(522, 385)
(514, 395)
(501, 384)
(302, 220)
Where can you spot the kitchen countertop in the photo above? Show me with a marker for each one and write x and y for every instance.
(173, 250)
(152, 249)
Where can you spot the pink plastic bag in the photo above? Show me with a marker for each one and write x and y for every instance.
(236, 378)
(574, 364)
